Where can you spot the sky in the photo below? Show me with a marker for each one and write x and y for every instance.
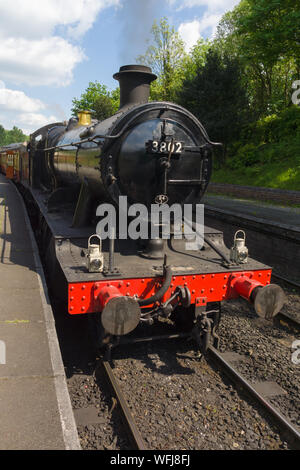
(51, 49)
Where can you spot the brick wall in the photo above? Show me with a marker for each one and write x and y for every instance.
(256, 192)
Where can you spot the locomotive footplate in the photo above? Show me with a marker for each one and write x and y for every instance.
(70, 244)
(204, 288)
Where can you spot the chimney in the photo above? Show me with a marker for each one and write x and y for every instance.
(134, 83)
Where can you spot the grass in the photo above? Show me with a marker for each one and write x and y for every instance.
(283, 174)
(265, 202)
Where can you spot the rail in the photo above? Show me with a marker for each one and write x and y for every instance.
(284, 423)
(128, 420)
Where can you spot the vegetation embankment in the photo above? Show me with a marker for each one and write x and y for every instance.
(268, 154)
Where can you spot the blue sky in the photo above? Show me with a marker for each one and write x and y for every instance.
(51, 49)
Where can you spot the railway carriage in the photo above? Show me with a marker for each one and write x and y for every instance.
(14, 162)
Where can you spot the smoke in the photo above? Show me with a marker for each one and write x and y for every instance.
(137, 17)
(59, 111)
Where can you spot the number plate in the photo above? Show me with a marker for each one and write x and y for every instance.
(155, 146)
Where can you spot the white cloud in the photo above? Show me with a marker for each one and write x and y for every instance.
(27, 122)
(206, 24)
(35, 120)
(191, 31)
(38, 48)
(39, 18)
(18, 109)
(36, 38)
(212, 5)
(18, 101)
(48, 61)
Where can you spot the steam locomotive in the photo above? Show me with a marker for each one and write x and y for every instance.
(154, 153)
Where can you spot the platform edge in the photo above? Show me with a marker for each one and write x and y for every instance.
(69, 428)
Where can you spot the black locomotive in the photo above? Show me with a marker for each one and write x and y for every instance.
(153, 153)
(119, 156)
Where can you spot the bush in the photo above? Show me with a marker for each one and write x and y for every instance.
(245, 156)
(270, 139)
(273, 128)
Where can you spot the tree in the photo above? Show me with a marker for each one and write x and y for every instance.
(99, 100)
(264, 35)
(2, 135)
(165, 57)
(15, 135)
(196, 58)
(270, 29)
(215, 94)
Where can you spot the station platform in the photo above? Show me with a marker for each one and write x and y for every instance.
(272, 232)
(285, 217)
(35, 408)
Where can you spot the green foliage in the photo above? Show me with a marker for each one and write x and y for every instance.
(270, 29)
(115, 99)
(283, 174)
(264, 34)
(216, 96)
(274, 128)
(15, 135)
(166, 58)
(2, 135)
(99, 100)
(196, 59)
(267, 153)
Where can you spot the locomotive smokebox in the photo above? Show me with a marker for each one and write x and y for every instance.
(134, 83)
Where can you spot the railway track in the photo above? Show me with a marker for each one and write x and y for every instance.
(208, 390)
(291, 431)
(133, 433)
(285, 279)
(284, 318)
(75, 364)
(123, 395)
(292, 321)
(134, 436)
(110, 390)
